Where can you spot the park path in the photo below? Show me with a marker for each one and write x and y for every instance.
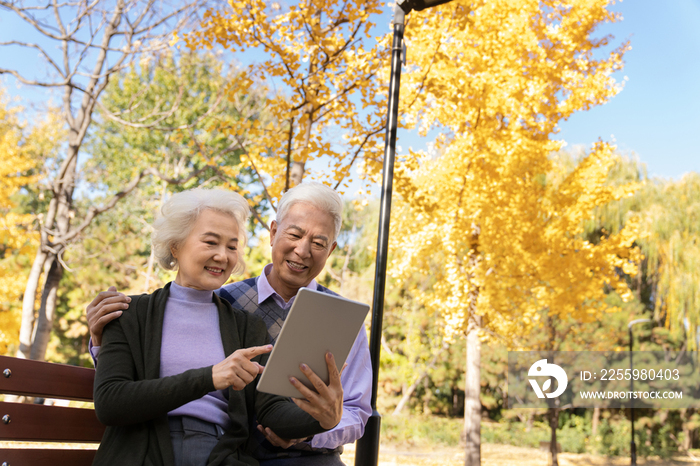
(491, 455)
(500, 455)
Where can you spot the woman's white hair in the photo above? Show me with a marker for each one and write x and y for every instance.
(180, 213)
(318, 195)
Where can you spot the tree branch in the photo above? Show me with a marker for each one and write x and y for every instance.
(252, 163)
(21, 12)
(35, 46)
(154, 125)
(95, 211)
(289, 152)
(359, 149)
(28, 82)
(406, 396)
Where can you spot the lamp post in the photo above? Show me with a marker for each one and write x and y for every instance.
(367, 453)
(633, 446)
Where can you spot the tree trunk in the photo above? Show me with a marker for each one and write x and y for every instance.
(687, 432)
(149, 271)
(472, 392)
(297, 173)
(33, 332)
(64, 208)
(47, 310)
(56, 225)
(455, 401)
(530, 423)
(596, 420)
(152, 256)
(426, 396)
(553, 410)
(406, 396)
(26, 331)
(554, 425)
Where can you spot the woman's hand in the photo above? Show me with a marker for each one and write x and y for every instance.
(238, 370)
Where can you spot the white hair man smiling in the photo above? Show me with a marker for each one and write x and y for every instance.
(301, 238)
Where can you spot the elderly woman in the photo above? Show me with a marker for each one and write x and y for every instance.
(173, 383)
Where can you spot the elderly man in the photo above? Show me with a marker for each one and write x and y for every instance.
(302, 238)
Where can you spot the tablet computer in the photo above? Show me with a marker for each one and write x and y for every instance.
(316, 323)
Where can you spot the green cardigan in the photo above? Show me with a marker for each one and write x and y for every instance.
(133, 401)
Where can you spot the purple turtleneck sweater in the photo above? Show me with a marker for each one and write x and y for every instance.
(192, 339)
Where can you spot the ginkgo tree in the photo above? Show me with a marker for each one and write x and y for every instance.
(323, 70)
(497, 77)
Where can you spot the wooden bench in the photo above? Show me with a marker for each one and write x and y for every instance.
(25, 422)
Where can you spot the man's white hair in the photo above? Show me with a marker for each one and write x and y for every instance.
(318, 195)
(180, 213)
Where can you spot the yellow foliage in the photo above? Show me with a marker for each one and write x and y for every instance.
(501, 231)
(314, 50)
(15, 161)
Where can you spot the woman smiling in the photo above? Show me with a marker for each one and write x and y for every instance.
(173, 383)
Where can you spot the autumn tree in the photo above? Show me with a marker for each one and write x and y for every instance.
(498, 77)
(93, 41)
(22, 150)
(322, 78)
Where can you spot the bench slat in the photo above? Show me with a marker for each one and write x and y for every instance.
(42, 423)
(46, 379)
(35, 457)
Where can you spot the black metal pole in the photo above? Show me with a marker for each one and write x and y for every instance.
(367, 453)
(633, 446)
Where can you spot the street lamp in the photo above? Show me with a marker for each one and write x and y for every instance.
(367, 453)
(633, 446)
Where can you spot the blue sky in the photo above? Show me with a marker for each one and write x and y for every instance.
(657, 115)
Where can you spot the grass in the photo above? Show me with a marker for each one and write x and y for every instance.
(421, 431)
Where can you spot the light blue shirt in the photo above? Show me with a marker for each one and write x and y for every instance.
(265, 290)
